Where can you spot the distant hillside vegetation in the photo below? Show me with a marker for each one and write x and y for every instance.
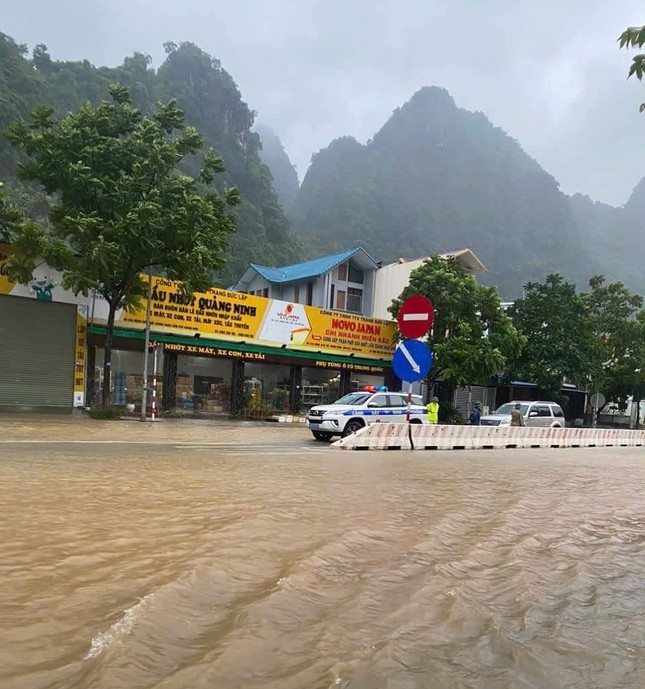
(434, 178)
(437, 177)
(212, 103)
(285, 177)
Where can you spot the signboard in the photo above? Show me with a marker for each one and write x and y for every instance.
(201, 350)
(80, 354)
(597, 400)
(415, 316)
(44, 283)
(225, 315)
(256, 320)
(412, 360)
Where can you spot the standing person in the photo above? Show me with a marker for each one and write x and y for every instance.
(476, 415)
(433, 410)
(517, 418)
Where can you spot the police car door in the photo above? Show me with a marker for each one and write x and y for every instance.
(377, 409)
(398, 408)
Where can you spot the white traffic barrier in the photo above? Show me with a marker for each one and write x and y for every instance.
(395, 436)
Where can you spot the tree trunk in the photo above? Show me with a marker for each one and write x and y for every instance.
(107, 362)
(432, 381)
(638, 408)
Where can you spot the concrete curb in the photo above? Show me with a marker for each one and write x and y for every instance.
(394, 436)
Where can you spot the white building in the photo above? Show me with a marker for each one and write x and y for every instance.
(394, 277)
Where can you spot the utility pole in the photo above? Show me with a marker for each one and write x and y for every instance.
(146, 349)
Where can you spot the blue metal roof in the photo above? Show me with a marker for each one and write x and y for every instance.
(308, 269)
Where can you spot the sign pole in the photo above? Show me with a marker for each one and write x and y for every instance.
(153, 412)
(412, 358)
(408, 415)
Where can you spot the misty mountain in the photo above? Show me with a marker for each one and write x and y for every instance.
(283, 172)
(212, 103)
(436, 178)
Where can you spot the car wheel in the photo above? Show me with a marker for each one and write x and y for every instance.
(323, 437)
(352, 427)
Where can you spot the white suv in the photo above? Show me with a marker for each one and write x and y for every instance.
(357, 409)
(535, 414)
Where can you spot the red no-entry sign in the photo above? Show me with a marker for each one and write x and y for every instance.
(415, 317)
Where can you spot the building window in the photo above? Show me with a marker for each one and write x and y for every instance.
(310, 293)
(296, 294)
(340, 299)
(331, 296)
(355, 274)
(342, 272)
(265, 292)
(355, 299)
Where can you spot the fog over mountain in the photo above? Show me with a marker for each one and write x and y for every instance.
(285, 176)
(548, 73)
(431, 126)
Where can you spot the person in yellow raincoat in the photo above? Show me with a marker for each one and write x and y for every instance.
(433, 410)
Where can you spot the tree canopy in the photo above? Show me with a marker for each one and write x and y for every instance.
(634, 37)
(120, 204)
(618, 325)
(591, 339)
(12, 220)
(212, 104)
(556, 322)
(472, 338)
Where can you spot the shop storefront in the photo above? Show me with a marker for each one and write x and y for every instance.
(222, 352)
(217, 352)
(42, 366)
(229, 378)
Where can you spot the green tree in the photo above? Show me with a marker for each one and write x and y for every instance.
(612, 308)
(560, 335)
(634, 37)
(471, 338)
(12, 220)
(626, 376)
(121, 206)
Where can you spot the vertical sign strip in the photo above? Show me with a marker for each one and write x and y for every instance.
(80, 356)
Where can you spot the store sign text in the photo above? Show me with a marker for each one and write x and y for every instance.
(213, 351)
(364, 368)
(266, 322)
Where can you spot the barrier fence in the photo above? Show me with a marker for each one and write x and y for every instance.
(391, 436)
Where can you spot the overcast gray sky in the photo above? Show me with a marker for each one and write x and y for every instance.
(548, 72)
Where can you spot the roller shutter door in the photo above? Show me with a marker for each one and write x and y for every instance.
(37, 341)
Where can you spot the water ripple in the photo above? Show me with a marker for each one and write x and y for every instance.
(354, 571)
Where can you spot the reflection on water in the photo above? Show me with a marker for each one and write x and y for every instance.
(186, 567)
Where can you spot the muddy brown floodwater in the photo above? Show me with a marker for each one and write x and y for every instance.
(214, 556)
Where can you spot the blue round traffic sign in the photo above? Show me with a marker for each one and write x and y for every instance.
(412, 360)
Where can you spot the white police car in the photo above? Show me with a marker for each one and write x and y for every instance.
(357, 409)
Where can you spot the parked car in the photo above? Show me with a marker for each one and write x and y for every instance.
(353, 411)
(547, 414)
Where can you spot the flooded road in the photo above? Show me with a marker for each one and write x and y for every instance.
(195, 556)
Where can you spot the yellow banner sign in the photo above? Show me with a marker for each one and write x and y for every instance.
(216, 312)
(349, 332)
(252, 319)
(80, 356)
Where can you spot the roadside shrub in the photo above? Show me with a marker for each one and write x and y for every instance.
(448, 413)
(105, 412)
(280, 399)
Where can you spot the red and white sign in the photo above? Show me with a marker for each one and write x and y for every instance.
(415, 317)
